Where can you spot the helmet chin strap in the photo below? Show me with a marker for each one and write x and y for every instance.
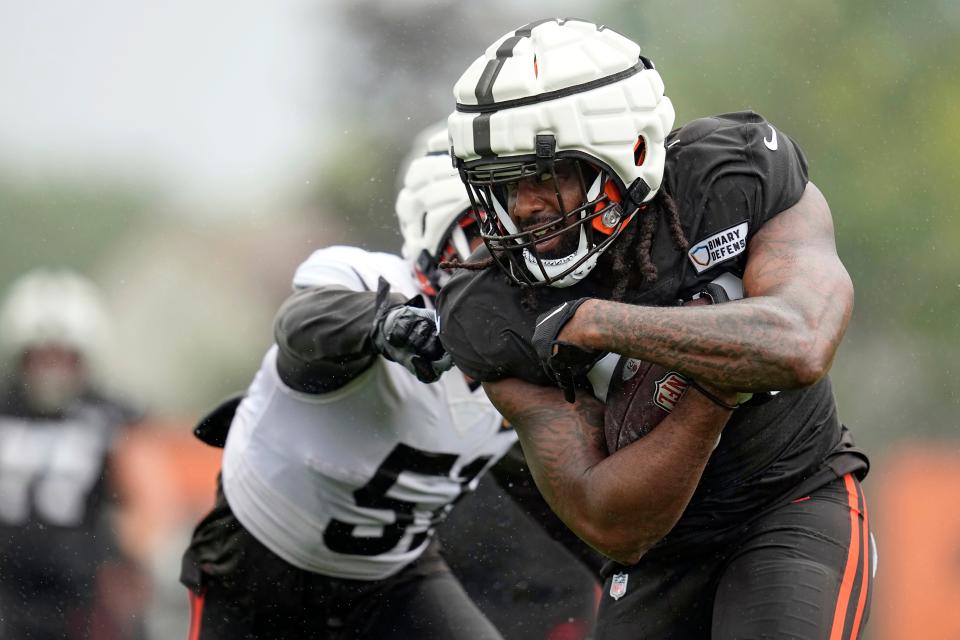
(555, 266)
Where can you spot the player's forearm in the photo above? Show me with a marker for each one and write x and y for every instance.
(560, 441)
(757, 344)
(621, 504)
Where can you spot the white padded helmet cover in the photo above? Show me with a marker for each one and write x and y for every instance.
(432, 197)
(603, 122)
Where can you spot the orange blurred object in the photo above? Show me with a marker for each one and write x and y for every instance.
(917, 515)
(166, 477)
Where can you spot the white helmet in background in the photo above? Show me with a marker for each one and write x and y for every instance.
(52, 308)
(560, 90)
(432, 209)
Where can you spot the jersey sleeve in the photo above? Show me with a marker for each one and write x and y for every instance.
(332, 267)
(730, 175)
(486, 330)
(460, 333)
(779, 169)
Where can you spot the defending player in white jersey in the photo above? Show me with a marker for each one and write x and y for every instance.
(339, 461)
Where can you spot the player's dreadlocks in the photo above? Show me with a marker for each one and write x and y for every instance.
(633, 248)
(638, 244)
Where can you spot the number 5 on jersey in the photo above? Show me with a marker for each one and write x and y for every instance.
(341, 536)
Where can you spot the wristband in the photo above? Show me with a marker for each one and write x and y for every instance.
(711, 397)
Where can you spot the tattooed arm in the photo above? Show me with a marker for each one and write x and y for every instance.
(783, 335)
(620, 504)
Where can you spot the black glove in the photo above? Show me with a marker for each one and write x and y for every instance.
(562, 361)
(406, 333)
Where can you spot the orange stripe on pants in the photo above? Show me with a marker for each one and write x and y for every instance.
(196, 614)
(865, 581)
(853, 559)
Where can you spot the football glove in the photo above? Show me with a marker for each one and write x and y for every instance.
(564, 363)
(407, 334)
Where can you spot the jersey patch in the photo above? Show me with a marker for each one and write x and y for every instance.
(719, 247)
(618, 585)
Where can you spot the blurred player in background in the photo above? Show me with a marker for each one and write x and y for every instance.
(498, 546)
(597, 219)
(346, 451)
(62, 572)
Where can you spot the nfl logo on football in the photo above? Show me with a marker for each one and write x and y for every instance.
(670, 388)
(618, 587)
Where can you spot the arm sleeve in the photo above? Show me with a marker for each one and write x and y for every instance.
(513, 476)
(323, 337)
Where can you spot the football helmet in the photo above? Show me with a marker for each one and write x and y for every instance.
(432, 208)
(559, 90)
(52, 308)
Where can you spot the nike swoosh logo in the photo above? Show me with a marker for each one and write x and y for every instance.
(772, 142)
(553, 313)
(672, 143)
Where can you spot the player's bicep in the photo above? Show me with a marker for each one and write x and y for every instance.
(520, 402)
(793, 267)
(794, 257)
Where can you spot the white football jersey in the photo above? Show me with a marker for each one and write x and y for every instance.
(351, 482)
(51, 469)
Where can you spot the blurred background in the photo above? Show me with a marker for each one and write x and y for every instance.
(186, 156)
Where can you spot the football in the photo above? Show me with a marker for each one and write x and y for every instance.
(640, 395)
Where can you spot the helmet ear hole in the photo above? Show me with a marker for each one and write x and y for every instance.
(639, 151)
